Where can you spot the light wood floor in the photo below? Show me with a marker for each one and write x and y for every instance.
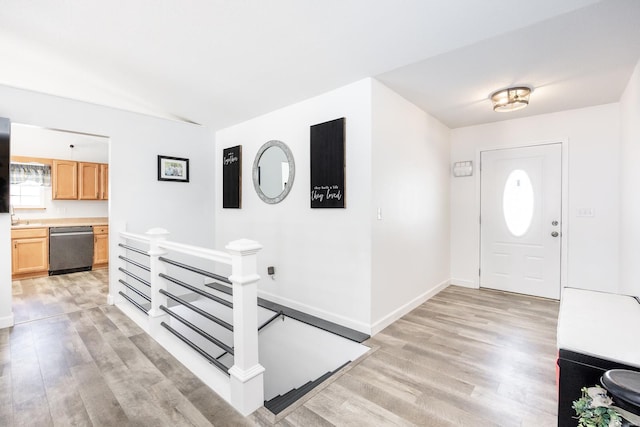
(464, 358)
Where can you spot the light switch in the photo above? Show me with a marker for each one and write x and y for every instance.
(463, 169)
(586, 212)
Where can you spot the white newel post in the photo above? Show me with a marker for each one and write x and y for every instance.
(156, 235)
(247, 388)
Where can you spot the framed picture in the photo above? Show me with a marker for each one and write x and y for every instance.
(173, 169)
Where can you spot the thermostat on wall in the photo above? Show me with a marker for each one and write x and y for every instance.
(463, 168)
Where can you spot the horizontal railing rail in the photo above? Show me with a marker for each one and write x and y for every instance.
(200, 351)
(198, 310)
(271, 319)
(197, 329)
(134, 249)
(196, 270)
(133, 276)
(197, 290)
(135, 290)
(134, 303)
(136, 263)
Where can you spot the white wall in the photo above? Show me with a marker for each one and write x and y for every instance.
(322, 257)
(410, 183)
(593, 136)
(629, 181)
(137, 199)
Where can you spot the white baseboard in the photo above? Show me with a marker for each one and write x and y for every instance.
(465, 283)
(406, 308)
(6, 321)
(331, 317)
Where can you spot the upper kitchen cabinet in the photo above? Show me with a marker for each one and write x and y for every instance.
(64, 180)
(79, 180)
(104, 181)
(89, 179)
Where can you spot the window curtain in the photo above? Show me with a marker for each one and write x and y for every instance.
(23, 172)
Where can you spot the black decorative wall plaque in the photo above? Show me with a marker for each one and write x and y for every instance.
(327, 164)
(232, 177)
(5, 160)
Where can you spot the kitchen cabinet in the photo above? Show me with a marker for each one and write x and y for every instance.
(89, 180)
(64, 180)
(79, 180)
(29, 252)
(100, 246)
(104, 181)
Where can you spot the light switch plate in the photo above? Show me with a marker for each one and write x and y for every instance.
(586, 212)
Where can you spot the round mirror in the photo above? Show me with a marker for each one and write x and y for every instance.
(273, 171)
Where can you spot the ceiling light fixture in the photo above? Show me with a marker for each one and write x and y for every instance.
(511, 99)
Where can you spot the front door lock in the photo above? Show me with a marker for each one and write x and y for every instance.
(554, 223)
(554, 234)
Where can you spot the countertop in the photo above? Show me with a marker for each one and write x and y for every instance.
(600, 324)
(59, 222)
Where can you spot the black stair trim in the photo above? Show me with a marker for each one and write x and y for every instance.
(317, 322)
(282, 402)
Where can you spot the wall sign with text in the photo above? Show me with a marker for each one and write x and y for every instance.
(327, 164)
(232, 177)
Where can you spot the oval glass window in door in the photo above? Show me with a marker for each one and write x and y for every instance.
(517, 202)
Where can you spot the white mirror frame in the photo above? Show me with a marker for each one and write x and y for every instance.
(292, 171)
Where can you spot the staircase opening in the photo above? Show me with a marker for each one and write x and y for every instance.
(297, 350)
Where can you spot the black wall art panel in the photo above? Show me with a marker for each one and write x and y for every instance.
(232, 177)
(327, 165)
(5, 161)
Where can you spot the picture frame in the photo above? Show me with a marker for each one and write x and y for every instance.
(173, 169)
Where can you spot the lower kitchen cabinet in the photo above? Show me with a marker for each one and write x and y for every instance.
(29, 252)
(100, 246)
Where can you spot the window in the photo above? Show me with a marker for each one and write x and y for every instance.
(517, 202)
(29, 184)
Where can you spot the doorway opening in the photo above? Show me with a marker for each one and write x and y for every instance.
(59, 179)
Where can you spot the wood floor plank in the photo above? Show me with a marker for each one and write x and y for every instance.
(99, 401)
(124, 324)
(305, 417)
(32, 412)
(6, 397)
(178, 409)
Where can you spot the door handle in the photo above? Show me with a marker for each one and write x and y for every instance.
(554, 234)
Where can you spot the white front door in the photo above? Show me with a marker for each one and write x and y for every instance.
(520, 220)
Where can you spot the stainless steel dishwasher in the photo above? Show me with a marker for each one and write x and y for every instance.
(70, 249)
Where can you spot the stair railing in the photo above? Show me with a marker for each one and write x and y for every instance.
(244, 389)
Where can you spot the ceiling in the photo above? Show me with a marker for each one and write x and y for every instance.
(220, 62)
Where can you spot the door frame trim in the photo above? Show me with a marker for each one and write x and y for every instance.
(564, 204)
